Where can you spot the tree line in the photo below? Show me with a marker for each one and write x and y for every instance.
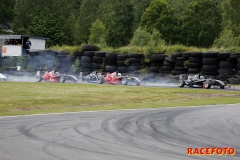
(116, 23)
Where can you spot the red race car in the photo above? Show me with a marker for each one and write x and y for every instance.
(53, 76)
(117, 78)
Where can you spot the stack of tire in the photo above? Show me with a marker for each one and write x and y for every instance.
(122, 65)
(156, 62)
(227, 65)
(135, 61)
(50, 60)
(168, 65)
(235, 58)
(180, 63)
(111, 62)
(39, 61)
(98, 61)
(63, 63)
(210, 63)
(87, 59)
(238, 66)
(195, 63)
(30, 58)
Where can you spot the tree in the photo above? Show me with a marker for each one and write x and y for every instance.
(6, 13)
(87, 15)
(201, 23)
(160, 16)
(53, 19)
(231, 16)
(97, 33)
(45, 25)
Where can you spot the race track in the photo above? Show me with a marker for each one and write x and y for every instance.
(147, 134)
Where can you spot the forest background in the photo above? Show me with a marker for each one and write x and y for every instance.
(146, 26)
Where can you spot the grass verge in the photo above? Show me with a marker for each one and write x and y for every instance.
(21, 98)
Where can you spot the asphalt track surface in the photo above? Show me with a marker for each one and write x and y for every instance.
(146, 134)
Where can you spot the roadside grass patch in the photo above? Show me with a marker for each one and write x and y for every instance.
(22, 98)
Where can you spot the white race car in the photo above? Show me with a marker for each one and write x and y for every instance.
(4, 77)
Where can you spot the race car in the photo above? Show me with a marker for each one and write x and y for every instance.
(54, 76)
(117, 78)
(4, 77)
(91, 78)
(197, 81)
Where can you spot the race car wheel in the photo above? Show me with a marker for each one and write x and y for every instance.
(124, 81)
(207, 85)
(39, 79)
(222, 87)
(100, 79)
(62, 79)
(181, 83)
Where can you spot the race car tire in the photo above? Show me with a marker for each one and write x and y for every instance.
(62, 79)
(181, 83)
(222, 87)
(124, 81)
(100, 80)
(207, 84)
(39, 78)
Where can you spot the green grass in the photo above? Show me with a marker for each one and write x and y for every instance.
(35, 98)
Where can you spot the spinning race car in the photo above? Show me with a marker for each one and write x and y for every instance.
(53, 76)
(90, 78)
(197, 81)
(117, 78)
(4, 77)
